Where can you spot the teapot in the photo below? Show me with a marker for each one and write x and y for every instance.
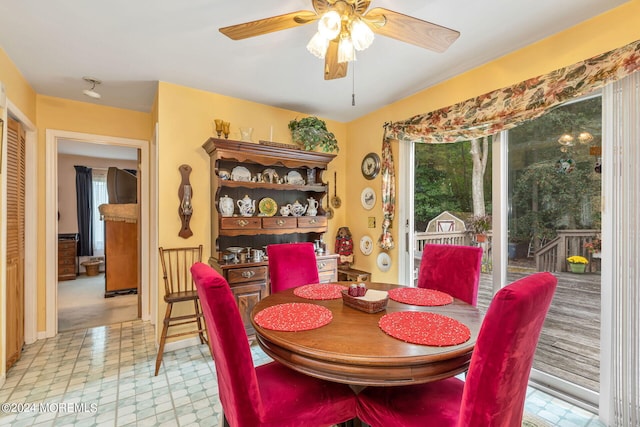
(285, 210)
(297, 209)
(312, 209)
(247, 206)
(225, 204)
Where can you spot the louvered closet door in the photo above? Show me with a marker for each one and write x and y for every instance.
(15, 241)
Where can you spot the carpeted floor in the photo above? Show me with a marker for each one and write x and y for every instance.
(81, 304)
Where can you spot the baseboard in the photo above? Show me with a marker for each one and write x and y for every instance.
(177, 345)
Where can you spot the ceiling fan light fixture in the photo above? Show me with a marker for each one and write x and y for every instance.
(566, 140)
(91, 93)
(318, 45)
(330, 24)
(346, 52)
(361, 35)
(585, 137)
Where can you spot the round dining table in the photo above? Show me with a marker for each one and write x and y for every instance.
(352, 349)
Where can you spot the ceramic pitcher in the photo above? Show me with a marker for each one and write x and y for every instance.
(226, 206)
(312, 209)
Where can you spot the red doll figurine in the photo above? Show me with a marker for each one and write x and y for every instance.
(344, 246)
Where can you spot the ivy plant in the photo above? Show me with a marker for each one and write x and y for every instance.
(311, 132)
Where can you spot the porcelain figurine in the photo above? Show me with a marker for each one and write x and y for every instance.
(247, 206)
(226, 206)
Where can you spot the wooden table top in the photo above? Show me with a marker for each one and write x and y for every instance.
(352, 349)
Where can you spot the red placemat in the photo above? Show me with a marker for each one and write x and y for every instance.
(424, 328)
(420, 296)
(293, 317)
(320, 291)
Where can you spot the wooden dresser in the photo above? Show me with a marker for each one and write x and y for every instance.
(67, 256)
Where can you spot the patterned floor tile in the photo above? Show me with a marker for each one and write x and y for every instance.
(112, 368)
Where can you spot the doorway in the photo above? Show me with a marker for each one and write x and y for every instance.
(83, 300)
(53, 139)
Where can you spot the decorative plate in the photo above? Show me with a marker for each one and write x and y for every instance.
(384, 261)
(240, 173)
(366, 245)
(294, 178)
(368, 198)
(268, 206)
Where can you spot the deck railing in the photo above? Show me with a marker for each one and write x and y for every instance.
(444, 238)
(553, 255)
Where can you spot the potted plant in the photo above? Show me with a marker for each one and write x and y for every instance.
(478, 226)
(594, 247)
(577, 263)
(311, 132)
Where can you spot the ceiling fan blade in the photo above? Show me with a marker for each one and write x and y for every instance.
(332, 68)
(269, 25)
(411, 30)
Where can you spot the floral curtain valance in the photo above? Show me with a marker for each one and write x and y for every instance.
(507, 107)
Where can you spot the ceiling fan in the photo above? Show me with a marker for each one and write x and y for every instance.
(345, 26)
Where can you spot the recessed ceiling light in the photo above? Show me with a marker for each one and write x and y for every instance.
(91, 92)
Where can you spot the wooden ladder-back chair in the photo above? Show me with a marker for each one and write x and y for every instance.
(179, 287)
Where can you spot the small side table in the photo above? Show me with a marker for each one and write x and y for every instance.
(353, 275)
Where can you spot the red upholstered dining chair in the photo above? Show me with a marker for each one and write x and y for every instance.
(270, 395)
(496, 383)
(452, 269)
(292, 265)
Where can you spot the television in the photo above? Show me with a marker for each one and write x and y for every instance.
(122, 186)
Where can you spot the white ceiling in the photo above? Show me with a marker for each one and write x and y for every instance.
(132, 44)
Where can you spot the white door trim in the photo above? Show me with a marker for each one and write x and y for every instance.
(51, 174)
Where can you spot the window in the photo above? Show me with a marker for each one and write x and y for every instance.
(100, 196)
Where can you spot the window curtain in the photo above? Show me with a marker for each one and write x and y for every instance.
(505, 108)
(387, 172)
(100, 196)
(621, 276)
(84, 197)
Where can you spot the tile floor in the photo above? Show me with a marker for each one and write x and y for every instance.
(103, 376)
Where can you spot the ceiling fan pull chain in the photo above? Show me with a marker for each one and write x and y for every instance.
(353, 85)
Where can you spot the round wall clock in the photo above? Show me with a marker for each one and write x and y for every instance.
(370, 165)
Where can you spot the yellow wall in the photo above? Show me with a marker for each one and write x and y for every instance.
(185, 119)
(74, 116)
(600, 34)
(17, 88)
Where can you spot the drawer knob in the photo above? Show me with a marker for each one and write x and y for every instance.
(243, 222)
(313, 221)
(280, 222)
(248, 274)
(322, 265)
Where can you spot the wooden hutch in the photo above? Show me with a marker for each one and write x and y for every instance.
(249, 280)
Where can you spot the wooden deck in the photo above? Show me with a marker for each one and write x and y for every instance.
(569, 346)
